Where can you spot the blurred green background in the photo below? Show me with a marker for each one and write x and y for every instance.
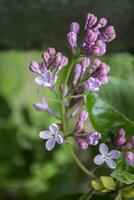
(27, 170)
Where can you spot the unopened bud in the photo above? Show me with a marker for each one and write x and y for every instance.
(83, 116)
(74, 27)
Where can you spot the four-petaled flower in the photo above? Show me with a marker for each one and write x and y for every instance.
(92, 84)
(106, 157)
(52, 136)
(46, 79)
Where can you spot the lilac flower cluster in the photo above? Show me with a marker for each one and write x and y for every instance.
(86, 78)
(84, 138)
(96, 76)
(49, 68)
(121, 142)
(96, 36)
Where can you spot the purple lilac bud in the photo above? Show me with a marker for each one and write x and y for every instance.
(34, 67)
(93, 138)
(83, 116)
(79, 126)
(77, 73)
(91, 20)
(90, 37)
(46, 57)
(129, 157)
(109, 34)
(51, 52)
(99, 49)
(102, 22)
(72, 40)
(74, 27)
(82, 144)
(84, 63)
(92, 84)
(120, 140)
(57, 59)
(64, 61)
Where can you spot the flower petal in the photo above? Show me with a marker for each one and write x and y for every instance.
(103, 149)
(59, 139)
(111, 163)
(99, 160)
(114, 154)
(54, 128)
(48, 76)
(50, 144)
(45, 135)
(39, 80)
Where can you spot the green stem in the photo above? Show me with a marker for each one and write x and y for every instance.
(63, 120)
(87, 195)
(83, 168)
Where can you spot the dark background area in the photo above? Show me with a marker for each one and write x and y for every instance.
(36, 24)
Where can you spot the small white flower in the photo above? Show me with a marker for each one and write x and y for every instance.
(52, 136)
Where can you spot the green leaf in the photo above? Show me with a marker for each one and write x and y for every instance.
(112, 108)
(123, 176)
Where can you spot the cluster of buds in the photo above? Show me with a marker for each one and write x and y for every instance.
(79, 70)
(121, 142)
(83, 138)
(98, 76)
(49, 68)
(96, 36)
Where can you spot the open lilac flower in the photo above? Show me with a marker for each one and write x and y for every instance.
(106, 157)
(52, 136)
(93, 137)
(92, 84)
(46, 79)
(43, 106)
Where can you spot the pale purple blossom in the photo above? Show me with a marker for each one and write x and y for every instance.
(52, 136)
(43, 106)
(46, 79)
(92, 84)
(106, 156)
(93, 137)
